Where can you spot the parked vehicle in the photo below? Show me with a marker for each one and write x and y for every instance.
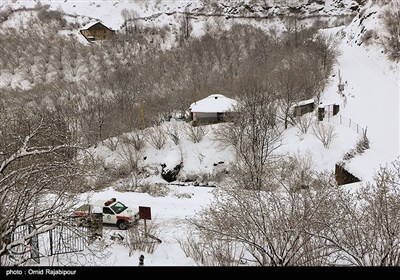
(114, 212)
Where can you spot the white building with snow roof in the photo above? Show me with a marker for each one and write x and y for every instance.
(212, 109)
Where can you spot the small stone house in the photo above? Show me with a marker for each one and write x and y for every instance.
(97, 31)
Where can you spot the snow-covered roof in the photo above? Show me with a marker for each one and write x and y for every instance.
(305, 102)
(214, 103)
(90, 24)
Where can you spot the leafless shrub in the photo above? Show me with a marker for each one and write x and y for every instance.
(136, 239)
(199, 178)
(196, 133)
(304, 122)
(319, 24)
(154, 190)
(107, 174)
(325, 133)
(219, 173)
(183, 195)
(296, 171)
(350, 154)
(137, 183)
(136, 180)
(131, 156)
(362, 144)
(209, 251)
(112, 143)
(156, 137)
(121, 171)
(174, 132)
(136, 139)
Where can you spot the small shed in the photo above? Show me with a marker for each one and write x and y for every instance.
(97, 31)
(212, 109)
(303, 107)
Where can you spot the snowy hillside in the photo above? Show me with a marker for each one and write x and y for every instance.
(110, 11)
(372, 87)
(202, 13)
(369, 103)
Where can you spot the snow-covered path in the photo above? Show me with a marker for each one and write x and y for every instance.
(372, 91)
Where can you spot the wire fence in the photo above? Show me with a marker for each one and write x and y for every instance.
(346, 122)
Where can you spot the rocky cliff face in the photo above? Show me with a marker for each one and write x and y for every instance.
(301, 8)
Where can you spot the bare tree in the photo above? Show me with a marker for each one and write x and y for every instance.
(58, 55)
(254, 134)
(96, 115)
(125, 16)
(39, 177)
(72, 57)
(292, 84)
(131, 21)
(185, 26)
(266, 228)
(318, 224)
(325, 48)
(367, 229)
(14, 61)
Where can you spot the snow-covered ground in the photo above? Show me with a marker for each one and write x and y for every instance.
(371, 101)
(372, 92)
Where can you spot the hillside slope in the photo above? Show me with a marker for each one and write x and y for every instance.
(370, 102)
(371, 89)
(371, 92)
(155, 12)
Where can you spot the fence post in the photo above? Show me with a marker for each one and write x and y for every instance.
(350, 123)
(51, 241)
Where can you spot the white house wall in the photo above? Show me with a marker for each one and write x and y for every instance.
(203, 116)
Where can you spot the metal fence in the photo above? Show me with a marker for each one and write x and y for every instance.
(25, 249)
(68, 237)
